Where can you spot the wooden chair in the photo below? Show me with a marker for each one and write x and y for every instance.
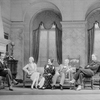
(2, 82)
(26, 77)
(96, 79)
(74, 62)
(92, 80)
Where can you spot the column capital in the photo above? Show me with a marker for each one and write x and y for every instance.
(73, 24)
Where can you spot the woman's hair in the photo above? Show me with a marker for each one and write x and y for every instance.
(51, 60)
(31, 58)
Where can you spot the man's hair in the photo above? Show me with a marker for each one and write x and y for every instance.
(94, 55)
(1, 53)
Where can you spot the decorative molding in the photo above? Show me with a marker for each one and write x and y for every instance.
(17, 24)
(6, 22)
(73, 24)
(11, 24)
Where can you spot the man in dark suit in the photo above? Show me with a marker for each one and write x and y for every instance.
(5, 72)
(88, 71)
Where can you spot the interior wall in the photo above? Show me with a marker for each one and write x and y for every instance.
(70, 9)
(5, 8)
(20, 13)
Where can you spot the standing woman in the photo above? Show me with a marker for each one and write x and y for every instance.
(31, 69)
(49, 71)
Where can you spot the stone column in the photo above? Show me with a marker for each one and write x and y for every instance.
(74, 40)
(17, 37)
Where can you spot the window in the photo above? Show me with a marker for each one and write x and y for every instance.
(97, 40)
(47, 48)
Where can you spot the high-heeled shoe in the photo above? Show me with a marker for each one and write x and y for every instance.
(61, 87)
(43, 88)
(15, 82)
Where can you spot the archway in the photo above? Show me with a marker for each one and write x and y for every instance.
(45, 45)
(33, 10)
(92, 19)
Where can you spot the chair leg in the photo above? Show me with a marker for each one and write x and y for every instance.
(23, 83)
(99, 84)
(92, 84)
(84, 84)
(24, 79)
(72, 86)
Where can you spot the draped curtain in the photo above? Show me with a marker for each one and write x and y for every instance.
(36, 40)
(90, 43)
(47, 18)
(91, 20)
(59, 45)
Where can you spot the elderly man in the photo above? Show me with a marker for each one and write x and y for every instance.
(88, 71)
(61, 72)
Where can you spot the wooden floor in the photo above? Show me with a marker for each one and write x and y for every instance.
(26, 93)
(20, 90)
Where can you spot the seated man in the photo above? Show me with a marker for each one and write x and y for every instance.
(88, 71)
(62, 71)
(5, 72)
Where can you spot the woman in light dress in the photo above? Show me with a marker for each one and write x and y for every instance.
(31, 70)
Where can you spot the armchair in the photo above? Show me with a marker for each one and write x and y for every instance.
(93, 80)
(74, 62)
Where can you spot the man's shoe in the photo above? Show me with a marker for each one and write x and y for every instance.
(10, 88)
(43, 88)
(53, 87)
(61, 87)
(79, 88)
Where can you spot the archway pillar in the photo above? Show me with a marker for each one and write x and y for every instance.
(17, 36)
(74, 40)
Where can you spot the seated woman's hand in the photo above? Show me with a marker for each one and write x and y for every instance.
(49, 74)
(5, 68)
(29, 73)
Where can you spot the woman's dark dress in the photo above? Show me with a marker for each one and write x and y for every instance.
(48, 69)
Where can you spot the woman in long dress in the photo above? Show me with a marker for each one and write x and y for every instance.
(31, 70)
(49, 71)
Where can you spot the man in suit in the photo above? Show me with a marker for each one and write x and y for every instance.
(5, 72)
(62, 71)
(88, 71)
